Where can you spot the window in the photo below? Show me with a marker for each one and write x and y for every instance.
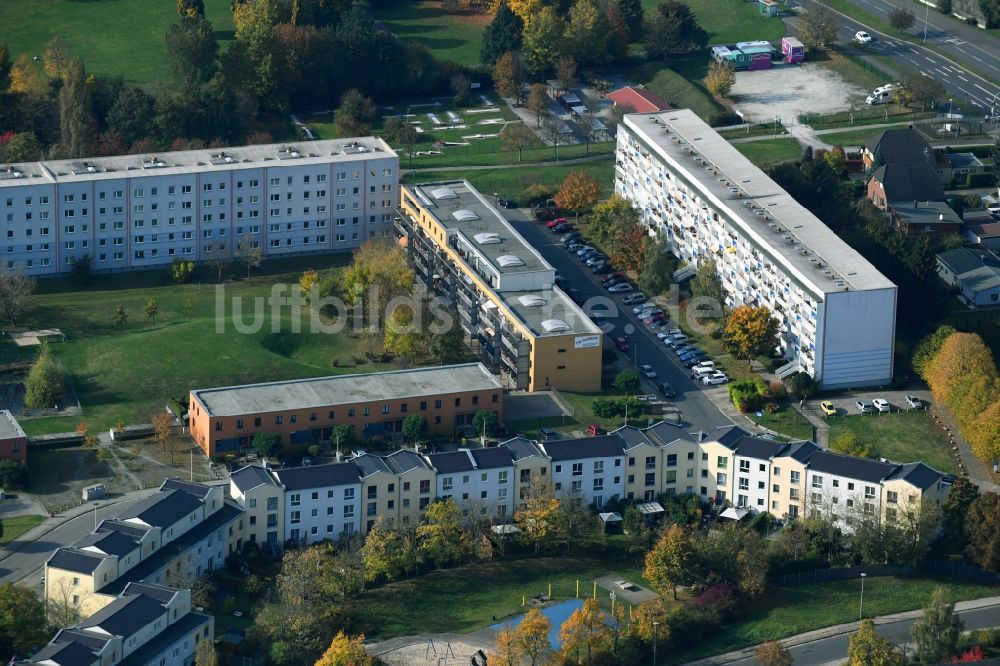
(502, 477)
(577, 469)
(672, 460)
(723, 462)
(817, 481)
(869, 492)
(425, 486)
(296, 517)
(272, 503)
(891, 497)
(348, 494)
(447, 483)
(371, 510)
(598, 467)
(744, 483)
(295, 499)
(795, 476)
(599, 483)
(348, 511)
(721, 478)
(744, 466)
(793, 493)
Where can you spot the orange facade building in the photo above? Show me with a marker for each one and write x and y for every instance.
(224, 421)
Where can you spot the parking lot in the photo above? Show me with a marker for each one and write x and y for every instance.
(846, 405)
(788, 91)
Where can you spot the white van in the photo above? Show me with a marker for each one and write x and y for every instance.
(703, 371)
(881, 95)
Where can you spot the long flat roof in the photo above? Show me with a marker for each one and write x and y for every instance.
(193, 161)
(545, 312)
(345, 389)
(765, 213)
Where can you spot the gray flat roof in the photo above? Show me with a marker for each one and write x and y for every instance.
(193, 161)
(556, 309)
(790, 234)
(445, 200)
(345, 389)
(9, 427)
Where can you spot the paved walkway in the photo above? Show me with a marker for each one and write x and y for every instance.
(837, 630)
(977, 470)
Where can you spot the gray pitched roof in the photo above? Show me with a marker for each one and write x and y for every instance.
(72, 559)
(369, 464)
(801, 451)
(109, 542)
(919, 474)
(126, 615)
(587, 447)
(909, 181)
(403, 461)
(163, 508)
(521, 448)
(318, 476)
(137, 532)
(759, 448)
(451, 462)
(66, 653)
(898, 145)
(862, 469)
(161, 593)
(632, 436)
(960, 260)
(250, 477)
(493, 458)
(199, 490)
(664, 433)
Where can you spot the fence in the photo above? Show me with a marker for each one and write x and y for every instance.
(847, 573)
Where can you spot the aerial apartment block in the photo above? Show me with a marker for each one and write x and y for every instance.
(730, 465)
(141, 211)
(146, 625)
(708, 201)
(305, 411)
(521, 325)
(175, 535)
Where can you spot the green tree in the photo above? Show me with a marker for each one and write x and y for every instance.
(415, 427)
(503, 35)
(632, 15)
(447, 339)
(658, 267)
(181, 269)
(982, 529)
(441, 539)
(937, 632)
(355, 114)
(16, 290)
(672, 29)
(955, 509)
(485, 420)
(928, 348)
(750, 332)
(587, 34)
(867, 648)
(23, 147)
(120, 317)
(76, 135)
(818, 27)
(707, 285)
(23, 626)
(81, 269)
(267, 444)
(46, 381)
(132, 114)
(670, 562)
(343, 437)
(543, 41)
(612, 220)
(151, 309)
(190, 9)
(628, 381)
(13, 475)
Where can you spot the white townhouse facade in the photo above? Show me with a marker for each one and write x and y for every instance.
(844, 487)
(695, 190)
(481, 481)
(592, 468)
(321, 502)
(752, 470)
(130, 212)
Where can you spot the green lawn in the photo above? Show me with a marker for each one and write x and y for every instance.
(788, 422)
(679, 84)
(900, 437)
(125, 376)
(583, 415)
(786, 611)
(15, 527)
(113, 37)
(771, 152)
(849, 138)
(455, 36)
(730, 21)
(467, 598)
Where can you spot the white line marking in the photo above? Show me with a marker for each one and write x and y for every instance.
(963, 78)
(976, 57)
(983, 89)
(914, 50)
(930, 60)
(943, 72)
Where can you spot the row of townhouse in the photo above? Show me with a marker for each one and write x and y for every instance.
(132, 211)
(146, 625)
(178, 533)
(788, 480)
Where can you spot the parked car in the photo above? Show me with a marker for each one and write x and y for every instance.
(622, 344)
(645, 306)
(589, 254)
(563, 228)
(505, 203)
(681, 349)
(603, 267)
(827, 408)
(596, 259)
(613, 281)
(715, 378)
(706, 364)
(547, 433)
(692, 354)
(659, 325)
(647, 370)
(572, 237)
(693, 360)
(634, 297)
(574, 246)
(594, 430)
(882, 405)
(616, 274)
(677, 340)
(994, 211)
(864, 406)
(914, 402)
(667, 390)
(862, 37)
(620, 288)
(584, 250)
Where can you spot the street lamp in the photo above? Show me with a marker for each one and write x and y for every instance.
(656, 631)
(95, 514)
(926, 10)
(861, 605)
(612, 595)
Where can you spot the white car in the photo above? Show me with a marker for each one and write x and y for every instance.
(645, 306)
(994, 211)
(882, 405)
(862, 37)
(704, 364)
(914, 402)
(715, 378)
(648, 371)
(864, 406)
(620, 288)
(635, 297)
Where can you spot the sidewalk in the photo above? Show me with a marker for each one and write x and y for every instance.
(837, 630)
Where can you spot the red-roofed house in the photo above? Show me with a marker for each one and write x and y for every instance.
(639, 100)
(986, 234)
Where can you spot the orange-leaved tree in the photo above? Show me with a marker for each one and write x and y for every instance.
(346, 651)
(962, 355)
(670, 562)
(579, 192)
(584, 633)
(532, 636)
(750, 332)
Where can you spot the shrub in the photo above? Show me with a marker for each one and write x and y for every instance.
(13, 475)
(980, 180)
(717, 602)
(772, 407)
(724, 118)
(46, 381)
(748, 395)
(536, 193)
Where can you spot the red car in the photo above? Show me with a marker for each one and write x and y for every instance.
(555, 222)
(622, 344)
(611, 276)
(594, 430)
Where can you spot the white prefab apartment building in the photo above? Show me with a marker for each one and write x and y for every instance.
(140, 211)
(693, 188)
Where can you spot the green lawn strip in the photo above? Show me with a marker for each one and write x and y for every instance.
(901, 437)
(755, 130)
(113, 38)
(449, 35)
(467, 598)
(787, 422)
(727, 22)
(795, 609)
(490, 154)
(851, 138)
(769, 153)
(510, 183)
(18, 525)
(679, 83)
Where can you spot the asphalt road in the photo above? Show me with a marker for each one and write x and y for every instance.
(27, 562)
(697, 411)
(833, 650)
(973, 95)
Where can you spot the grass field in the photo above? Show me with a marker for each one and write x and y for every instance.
(113, 37)
(125, 376)
(900, 437)
(770, 152)
(449, 35)
(849, 138)
(676, 87)
(467, 598)
(788, 422)
(730, 21)
(582, 416)
(15, 527)
(786, 611)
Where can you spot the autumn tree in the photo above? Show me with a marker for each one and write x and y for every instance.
(151, 309)
(346, 651)
(773, 653)
(205, 654)
(538, 102)
(669, 563)
(706, 284)
(355, 114)
(532, 637)
(900, 18)
(402, 332)
(867, 648)
(190, 9)
(308, 281)
(509, 76)
(250, 252)
(818, 27)
(983, 433)
(750, 332)
(507, 649)
(937, 631)
(120, 317)
(441, 538)
(579, 191)
(16, 290)
(46, 381)
(26, 79)
(720, 79)
(928, 347)
(387, 553)
(584, 633)
(57, 57)
(982, 529)
(566, 76)
(517, 136)
(849, 444)
(612, 220)
(163, 428)
(538, 518)
(378, 273)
